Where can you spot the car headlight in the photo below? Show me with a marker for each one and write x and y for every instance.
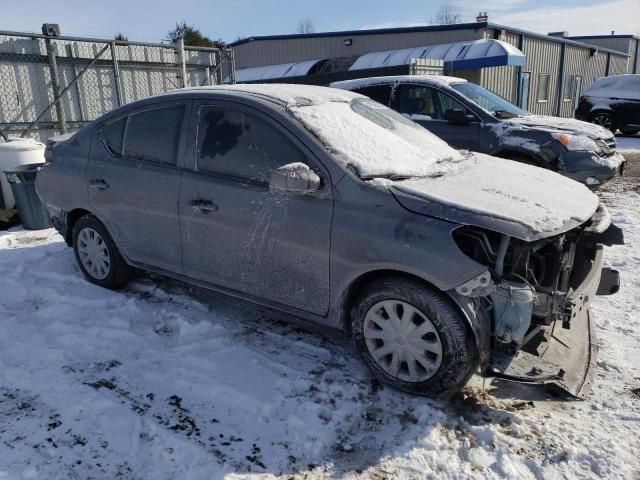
(576, 142)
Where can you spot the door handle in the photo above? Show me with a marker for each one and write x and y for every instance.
(203, 205)
(99, 184)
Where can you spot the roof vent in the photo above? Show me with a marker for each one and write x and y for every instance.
(482, 17)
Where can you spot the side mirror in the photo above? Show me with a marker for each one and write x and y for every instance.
(458, 116)
(294, 179)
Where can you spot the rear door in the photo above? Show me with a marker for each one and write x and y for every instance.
(238, 235)
(426, 105)
(379, 93)
(134, 182)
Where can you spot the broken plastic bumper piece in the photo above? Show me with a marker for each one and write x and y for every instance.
(564, 353)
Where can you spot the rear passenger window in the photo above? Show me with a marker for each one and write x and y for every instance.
(379, 93)
(154, 134)
(237, 144)
(112, 135)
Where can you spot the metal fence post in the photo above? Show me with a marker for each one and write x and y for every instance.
(55, 86)
(116, 74)
(182, 66)
(232, 66)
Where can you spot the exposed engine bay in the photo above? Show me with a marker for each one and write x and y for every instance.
(536, 287)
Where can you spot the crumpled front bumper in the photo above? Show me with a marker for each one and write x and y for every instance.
(563, 353)
(590, 169)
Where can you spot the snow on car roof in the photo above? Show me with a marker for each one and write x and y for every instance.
(394, 79)
(289, 94)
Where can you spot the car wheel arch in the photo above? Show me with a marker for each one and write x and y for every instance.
(72, 217)
(358, 284)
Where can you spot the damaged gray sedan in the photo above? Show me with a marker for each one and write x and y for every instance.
(326, 206)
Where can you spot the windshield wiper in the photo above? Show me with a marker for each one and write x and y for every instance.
(389, 176)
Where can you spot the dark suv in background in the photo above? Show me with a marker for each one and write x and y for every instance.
(612, 102)
(467, 116)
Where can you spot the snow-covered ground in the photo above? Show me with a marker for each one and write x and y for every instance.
(163, 381)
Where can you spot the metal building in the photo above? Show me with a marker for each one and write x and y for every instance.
(544, 74)
(623, 43)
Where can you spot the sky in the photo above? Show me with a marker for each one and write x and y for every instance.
(149, 20)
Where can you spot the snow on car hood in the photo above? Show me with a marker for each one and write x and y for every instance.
(555, 124)
(520, 200)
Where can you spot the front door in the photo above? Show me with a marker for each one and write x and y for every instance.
(134, 183)
(238, 235)
(427, 106)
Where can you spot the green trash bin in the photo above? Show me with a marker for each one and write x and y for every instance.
(22, 179)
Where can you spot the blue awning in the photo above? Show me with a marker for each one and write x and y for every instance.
(456, 56)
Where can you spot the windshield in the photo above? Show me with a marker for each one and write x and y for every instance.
(494, 104)
(376, 142)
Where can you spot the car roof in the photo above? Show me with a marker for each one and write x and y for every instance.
(281, 93)
(440, 80)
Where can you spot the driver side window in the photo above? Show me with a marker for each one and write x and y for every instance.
(240, 145)
(418, 102)
(450, 103)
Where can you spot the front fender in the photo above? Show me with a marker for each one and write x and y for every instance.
(477, 313)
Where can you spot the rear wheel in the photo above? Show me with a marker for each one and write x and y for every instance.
(604, 119)
(412, 337)
(97, 255)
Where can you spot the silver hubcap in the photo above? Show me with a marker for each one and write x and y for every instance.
(602, 120)
(402, 341)
(93, 253)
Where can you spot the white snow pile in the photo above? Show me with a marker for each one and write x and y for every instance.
(540, 200)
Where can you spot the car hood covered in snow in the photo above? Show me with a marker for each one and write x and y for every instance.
(562, 125)
(523, 201)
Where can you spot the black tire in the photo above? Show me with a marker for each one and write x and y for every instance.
(118, 271)
(604, 119)
(630, 132)
(459, 353)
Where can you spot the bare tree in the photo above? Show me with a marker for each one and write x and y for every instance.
(305, 25)
(447, 14)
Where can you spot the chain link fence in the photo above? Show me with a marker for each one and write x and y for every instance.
(53, 85)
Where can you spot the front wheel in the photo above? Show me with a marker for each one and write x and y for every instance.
(412, 337)
(97, 255)
(604, 119)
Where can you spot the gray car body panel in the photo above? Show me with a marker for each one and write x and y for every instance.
(527, 139)
(368, 230)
